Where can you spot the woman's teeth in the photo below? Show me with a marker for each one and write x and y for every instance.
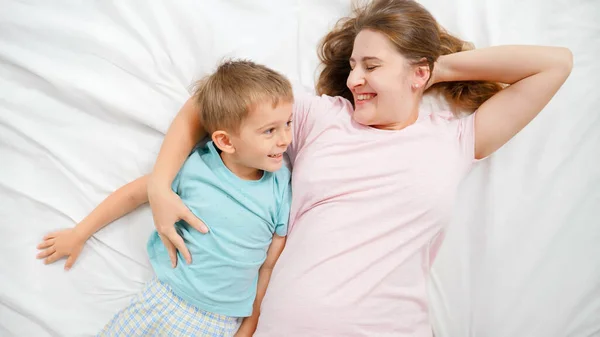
(364, 97)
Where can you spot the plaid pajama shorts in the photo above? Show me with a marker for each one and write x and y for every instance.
(157, 311)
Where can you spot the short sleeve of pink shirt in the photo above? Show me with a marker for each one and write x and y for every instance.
(307, 108)
(368, 211)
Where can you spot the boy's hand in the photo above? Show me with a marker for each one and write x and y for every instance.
(59, 244)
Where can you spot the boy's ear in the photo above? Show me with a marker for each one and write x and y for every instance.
(222, 140)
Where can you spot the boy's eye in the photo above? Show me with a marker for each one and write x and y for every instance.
(269, 131)
(289, 123)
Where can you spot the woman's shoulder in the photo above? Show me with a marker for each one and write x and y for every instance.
(321, 110)
(312, 101)
(454, 123)
(313, 114)
(441, 117)
(435, 108)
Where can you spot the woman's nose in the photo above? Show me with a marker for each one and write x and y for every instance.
(355, 79)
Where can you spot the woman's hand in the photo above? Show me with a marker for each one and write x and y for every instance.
(64, 243)
(533, 73)
(437, 73)
(167, 209)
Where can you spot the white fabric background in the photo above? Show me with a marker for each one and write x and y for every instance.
(88, 89)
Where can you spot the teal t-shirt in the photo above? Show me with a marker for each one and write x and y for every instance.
(242, 217)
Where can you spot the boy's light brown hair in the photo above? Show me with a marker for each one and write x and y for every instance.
(237, 86)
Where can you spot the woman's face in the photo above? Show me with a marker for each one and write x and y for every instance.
(380, 82)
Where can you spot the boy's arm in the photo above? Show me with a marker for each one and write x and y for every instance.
(264, 275)
(119, 203)
(69, 242)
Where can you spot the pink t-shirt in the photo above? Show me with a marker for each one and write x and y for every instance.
(368, 211)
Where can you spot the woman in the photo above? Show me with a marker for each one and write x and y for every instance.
(374, 178)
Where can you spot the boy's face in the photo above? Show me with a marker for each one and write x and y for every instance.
(264, 136)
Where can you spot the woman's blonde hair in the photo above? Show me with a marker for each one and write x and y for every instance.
(415, 34)
(226, 97)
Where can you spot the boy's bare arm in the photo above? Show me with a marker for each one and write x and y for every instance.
(69, 242)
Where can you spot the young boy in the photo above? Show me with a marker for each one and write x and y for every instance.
(237, 186)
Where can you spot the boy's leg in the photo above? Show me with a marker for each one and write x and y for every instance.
(141, 316)
(157, 311)
(185, 319)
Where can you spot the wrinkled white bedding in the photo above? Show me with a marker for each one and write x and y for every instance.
(88, 89)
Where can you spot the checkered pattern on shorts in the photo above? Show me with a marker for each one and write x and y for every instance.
(157, 311)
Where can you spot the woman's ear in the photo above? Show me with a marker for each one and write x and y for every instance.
(222, 140)
(421, 74)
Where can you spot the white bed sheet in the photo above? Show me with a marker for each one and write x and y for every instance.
(87, 90)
